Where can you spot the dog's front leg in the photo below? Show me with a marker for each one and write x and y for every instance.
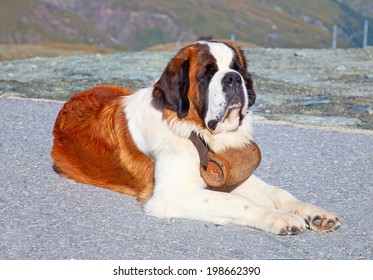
(180, 192)
(223, 208)
(264, 194)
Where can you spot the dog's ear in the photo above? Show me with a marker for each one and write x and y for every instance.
(171, 90)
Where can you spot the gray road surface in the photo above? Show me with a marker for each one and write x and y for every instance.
(43, 216)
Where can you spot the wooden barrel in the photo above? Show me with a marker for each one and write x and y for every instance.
(228, 169)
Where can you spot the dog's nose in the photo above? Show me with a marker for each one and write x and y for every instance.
(232, 80)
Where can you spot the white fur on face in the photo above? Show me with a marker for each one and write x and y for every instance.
(217, 102)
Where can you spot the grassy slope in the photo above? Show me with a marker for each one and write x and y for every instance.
(249, 20)
(23, 21)
(363, 6)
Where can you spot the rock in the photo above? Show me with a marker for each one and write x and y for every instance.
(284, 79)
(341, 68)
(299, 53)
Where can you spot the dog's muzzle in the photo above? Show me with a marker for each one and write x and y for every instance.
(232, 85)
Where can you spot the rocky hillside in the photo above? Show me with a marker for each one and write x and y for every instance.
(24, 21)
(307, 86)
(135, 25)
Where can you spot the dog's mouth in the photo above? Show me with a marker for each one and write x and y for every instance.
(231, 117)
(233, 110)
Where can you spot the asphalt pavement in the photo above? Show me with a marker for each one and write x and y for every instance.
(44, 216)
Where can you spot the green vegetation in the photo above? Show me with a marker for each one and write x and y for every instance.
(268, 23)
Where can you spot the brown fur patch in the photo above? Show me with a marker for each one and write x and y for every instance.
(92, 144)
(198, 56)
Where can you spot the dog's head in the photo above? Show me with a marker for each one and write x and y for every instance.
(207, 83)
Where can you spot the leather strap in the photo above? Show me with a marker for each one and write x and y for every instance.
(201, 148)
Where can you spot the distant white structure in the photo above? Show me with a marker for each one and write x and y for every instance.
(335, 29)
(365, 36)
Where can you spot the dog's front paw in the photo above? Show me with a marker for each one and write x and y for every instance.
(284, 223)
(317, 219)
(324, 221)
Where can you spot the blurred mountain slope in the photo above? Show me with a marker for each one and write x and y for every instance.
(135, 25)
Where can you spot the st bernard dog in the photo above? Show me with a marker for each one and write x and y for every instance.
(137, 143)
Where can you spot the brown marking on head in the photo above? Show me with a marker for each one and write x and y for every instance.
(177, 91)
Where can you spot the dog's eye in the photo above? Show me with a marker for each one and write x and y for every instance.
(210, 69)
(207, 73)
